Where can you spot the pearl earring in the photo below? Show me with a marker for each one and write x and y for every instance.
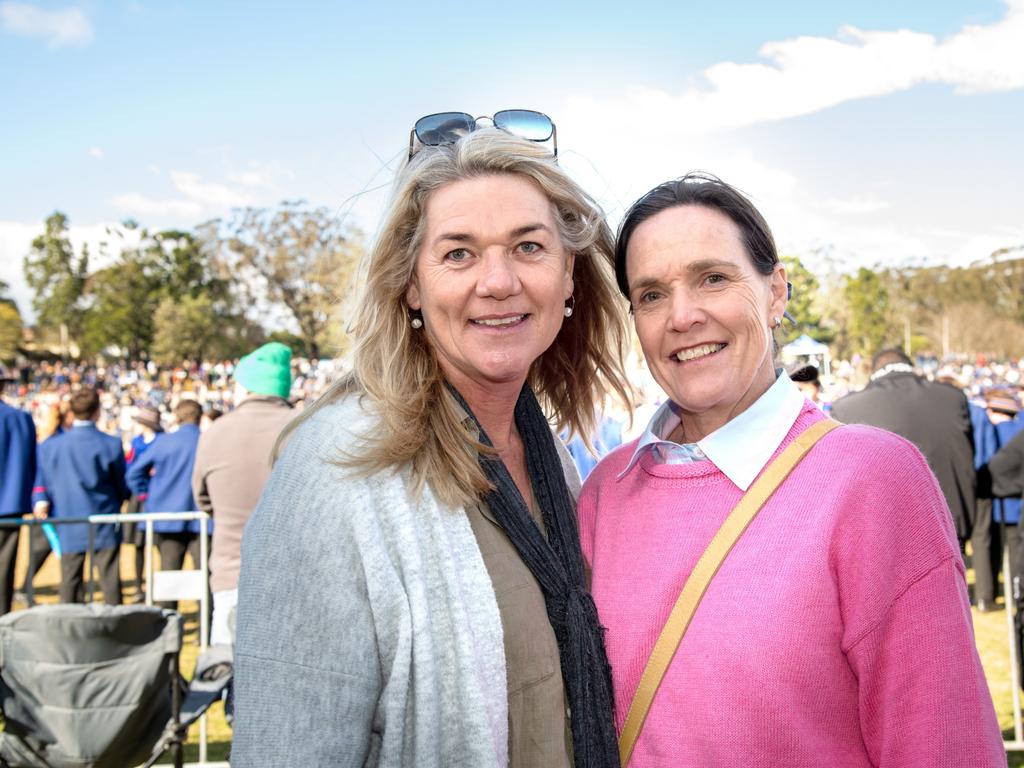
(416, 323)
(568, 307)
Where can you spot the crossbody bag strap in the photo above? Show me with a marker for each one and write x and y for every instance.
(696, 585)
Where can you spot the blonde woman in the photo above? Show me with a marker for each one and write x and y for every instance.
(412, 586)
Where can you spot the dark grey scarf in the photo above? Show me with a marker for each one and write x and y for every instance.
(557, 564)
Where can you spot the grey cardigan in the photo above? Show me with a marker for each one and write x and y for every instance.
(368, 632)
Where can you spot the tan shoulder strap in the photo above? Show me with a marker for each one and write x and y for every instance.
(696, 585)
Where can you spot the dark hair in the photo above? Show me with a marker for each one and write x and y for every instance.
(698, 188)
(85, 403)
(805, 373)
(889, 357)
(188, 412)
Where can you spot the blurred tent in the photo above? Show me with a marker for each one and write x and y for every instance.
(814, 351)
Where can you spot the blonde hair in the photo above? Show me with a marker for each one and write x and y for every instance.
(394, 367)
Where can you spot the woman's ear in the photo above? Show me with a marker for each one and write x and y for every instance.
(412, 294)
(779, 287)
(570, 285)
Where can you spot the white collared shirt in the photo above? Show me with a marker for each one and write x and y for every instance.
(740, 448)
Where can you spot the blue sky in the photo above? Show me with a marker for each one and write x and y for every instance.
(881, 132)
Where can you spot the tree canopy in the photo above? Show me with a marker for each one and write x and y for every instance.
(57, 277)
(300, 258)
(180, 294)
(225, 286)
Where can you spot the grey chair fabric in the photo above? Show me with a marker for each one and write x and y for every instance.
(85, 686)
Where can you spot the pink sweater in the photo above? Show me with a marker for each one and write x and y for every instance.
(837, 633)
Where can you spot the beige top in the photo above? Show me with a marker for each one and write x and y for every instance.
(538, 725)
(232, 466)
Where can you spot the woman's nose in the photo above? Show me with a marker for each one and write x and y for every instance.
(498, 277)
(684, 312)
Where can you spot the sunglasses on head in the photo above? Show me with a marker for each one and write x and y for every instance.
(449, 127)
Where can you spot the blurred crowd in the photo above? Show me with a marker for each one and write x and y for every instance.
(125, 387)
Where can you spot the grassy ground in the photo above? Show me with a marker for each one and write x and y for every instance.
(990, 630)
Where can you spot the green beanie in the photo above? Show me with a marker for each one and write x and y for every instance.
(267, 370)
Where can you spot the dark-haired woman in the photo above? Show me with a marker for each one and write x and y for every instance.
(837, 629)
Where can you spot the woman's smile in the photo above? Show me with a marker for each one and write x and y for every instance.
(697, 353)
(500, 322)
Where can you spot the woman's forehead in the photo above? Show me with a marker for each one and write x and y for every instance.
(496, 203)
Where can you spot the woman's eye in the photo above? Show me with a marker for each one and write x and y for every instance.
(529, 247)
(459, 255)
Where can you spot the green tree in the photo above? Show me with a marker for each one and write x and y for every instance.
(804, 305)
(188, 265)
(124, 300)
(299, 258)
(10, 330)
(184, 329)
(57, 277)
(867, 304)
(193, 328)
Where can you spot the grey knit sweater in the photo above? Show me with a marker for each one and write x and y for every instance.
(368, 632)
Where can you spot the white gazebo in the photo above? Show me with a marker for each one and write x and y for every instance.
(814, 351)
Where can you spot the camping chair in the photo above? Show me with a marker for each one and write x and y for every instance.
(88, 686)
(210, 682)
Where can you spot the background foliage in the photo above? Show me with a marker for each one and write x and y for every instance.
(287, 273)
(171, 296)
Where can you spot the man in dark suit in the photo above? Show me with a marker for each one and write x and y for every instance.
(82, 473)
(17, 471)
(934, 417)
(162, 479)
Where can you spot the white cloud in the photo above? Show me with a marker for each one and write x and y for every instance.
(137, 204)
(670, 132)
(95, 152)
(807, 74)
(855, 205)
(198, 198)
(66, 27)
(207, 193)
(252, 179)
(261, 176)
(980, 247)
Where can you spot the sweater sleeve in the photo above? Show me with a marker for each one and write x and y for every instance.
(923, 695)
(907, 628)
(586, 507)
(603, 475)
(308, 674)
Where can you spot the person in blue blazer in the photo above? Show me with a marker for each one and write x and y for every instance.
(17, 471)
(162, 477)
(81, 473)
